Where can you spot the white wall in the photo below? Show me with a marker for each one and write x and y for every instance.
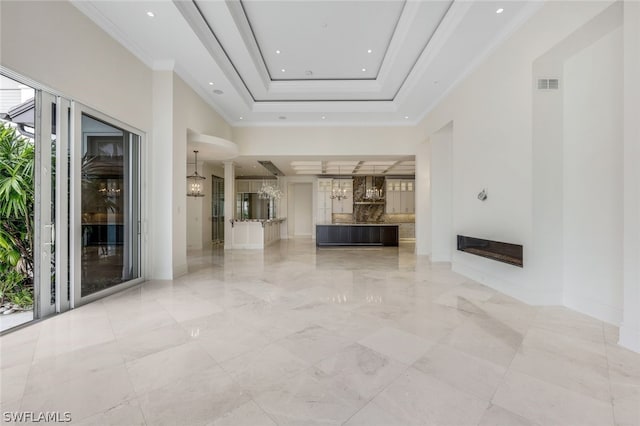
(630, 329)
(593, 181)
(292, 141)
(442, 241)
(189, 112)
(160, 242)
(54, 44)
(302, 209)
(492, 114)
(194, 223)
(423, 198)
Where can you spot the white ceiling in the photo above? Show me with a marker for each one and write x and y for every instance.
(328, 166)
(420, 49)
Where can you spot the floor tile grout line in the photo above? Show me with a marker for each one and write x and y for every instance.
(508, 369)
(370, 400)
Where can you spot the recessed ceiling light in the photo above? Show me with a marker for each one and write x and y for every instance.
(211, 83)
(406, 117)
(277, 52)
(323, 117)
(150, 14)
(364, 69)
(241, 118)
(218, 92)
(500, 10)
(283, 70)
(369, 51)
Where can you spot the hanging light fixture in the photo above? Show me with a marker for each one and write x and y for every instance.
(371, 191)
(339, 193)
(195, 181)
(269, 192)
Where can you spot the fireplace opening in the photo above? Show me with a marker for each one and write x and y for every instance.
(496, 250)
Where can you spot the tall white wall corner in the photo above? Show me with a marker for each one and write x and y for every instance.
(630, 328)
(423, 198)
(441, 155)
(160, 244)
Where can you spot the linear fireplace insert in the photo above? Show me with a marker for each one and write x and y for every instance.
(496, 250)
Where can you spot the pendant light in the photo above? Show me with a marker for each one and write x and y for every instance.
(372, 192)
(195, 181)
(339, 193)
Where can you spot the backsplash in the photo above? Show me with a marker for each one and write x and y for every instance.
(367, 213)
(386, 218)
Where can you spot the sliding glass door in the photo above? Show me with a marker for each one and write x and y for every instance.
(70, 204)
(106, 200)
(51, 289)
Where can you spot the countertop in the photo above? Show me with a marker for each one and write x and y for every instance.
(278, 219)
(358, 224)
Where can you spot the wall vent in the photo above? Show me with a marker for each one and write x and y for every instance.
(271, 168)
(548, 84)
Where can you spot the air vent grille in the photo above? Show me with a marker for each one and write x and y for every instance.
(548, 84)
(271, 168)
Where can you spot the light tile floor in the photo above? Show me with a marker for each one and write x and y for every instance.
(296, 335)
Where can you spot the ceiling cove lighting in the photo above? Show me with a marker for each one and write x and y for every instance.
(195, 181)
(499, 10)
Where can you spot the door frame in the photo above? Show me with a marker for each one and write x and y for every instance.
(75, 234)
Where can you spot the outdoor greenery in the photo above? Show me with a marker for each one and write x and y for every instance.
(17, 160)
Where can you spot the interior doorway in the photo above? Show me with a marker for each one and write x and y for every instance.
(302, 209)
(217, 210)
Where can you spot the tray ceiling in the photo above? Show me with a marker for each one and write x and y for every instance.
(305, 62)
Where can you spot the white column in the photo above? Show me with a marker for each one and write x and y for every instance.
(630, 328)
(441, 155)
(423, 199)
(160, 182)
(229, 201)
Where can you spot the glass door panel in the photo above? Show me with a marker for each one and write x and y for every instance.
(217, 210)
(108, 232)
(45, 198)
(34, 158)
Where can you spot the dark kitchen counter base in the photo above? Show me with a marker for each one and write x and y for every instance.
(357, 235)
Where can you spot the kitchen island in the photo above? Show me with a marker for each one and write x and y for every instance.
(254, 233)
(357, 234)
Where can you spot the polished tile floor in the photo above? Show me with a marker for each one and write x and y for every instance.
(295, 335)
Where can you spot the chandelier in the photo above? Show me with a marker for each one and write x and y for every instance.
(269, 192)
(372, 192)
(339, 193)
(195, 182)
